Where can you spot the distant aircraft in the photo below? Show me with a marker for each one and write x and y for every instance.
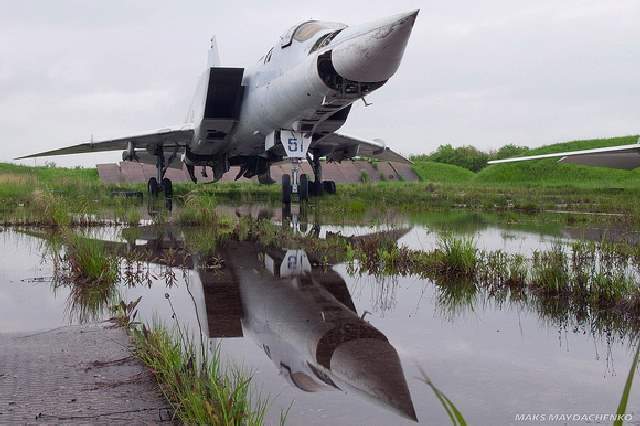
(288, 105)
(616, 157)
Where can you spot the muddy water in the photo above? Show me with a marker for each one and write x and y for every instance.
(356, 349)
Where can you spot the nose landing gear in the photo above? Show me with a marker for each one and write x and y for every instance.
(295, 184)
(300, 185)
(296, 145)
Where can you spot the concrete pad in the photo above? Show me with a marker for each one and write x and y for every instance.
(76, 374)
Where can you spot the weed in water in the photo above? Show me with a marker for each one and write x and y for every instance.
(200, 390)
(621, 412)
(459, 254)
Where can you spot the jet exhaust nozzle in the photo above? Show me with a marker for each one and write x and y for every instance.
(373, 52)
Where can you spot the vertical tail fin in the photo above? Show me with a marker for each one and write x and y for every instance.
(214, 57)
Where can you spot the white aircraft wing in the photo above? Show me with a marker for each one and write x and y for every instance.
(338, 147)
(617, 157)
(172, 137)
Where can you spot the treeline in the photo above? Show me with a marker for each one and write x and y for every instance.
(469, 156)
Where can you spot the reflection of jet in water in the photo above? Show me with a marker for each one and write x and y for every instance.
(301, 316)
(305, 321)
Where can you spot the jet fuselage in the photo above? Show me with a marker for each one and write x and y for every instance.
(305, 83)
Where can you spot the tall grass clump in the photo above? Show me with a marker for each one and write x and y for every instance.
(90, 273)
(549, 269)
(198, 210)
(193, 380)
(89, 262)
(460, 255)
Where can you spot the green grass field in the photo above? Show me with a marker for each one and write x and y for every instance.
(542, 173)
(430, 171)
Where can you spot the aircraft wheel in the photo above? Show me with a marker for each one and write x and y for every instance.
(153, 188)
(286, 189)
(167, 187)
(315, 188)
(329, 187)
(266, 179)
(303, 191)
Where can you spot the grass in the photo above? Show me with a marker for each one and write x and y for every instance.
(459, 255)
(89, 271)
(89, 262)
(540, 173)
(198, 210)
(580, 145)
(82, 200)
(597, 275)
(621, 412)
(200, 390)
(429, 171)
(455, 416)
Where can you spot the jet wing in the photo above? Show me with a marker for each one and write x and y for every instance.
(337, 147)
(172, 137)
(617, 157)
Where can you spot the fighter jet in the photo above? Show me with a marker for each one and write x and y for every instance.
(615, 157)
(287, 106)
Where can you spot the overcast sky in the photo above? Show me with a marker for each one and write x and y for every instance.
(475, 72)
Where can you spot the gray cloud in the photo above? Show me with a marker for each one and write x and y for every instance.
(485, 73)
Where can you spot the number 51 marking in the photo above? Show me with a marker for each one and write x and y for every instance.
(293, 145)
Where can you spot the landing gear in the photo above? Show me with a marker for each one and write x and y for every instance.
(318, 186)
(265, 178)
(329, 187)
(152, 187)
(295, 184)
(286, 189)
(303, 188)
(167, 187)
(160, 183)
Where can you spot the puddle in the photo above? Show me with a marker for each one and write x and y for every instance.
(351, 349)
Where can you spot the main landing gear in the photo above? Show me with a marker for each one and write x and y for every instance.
(298, 185)
(160, 183)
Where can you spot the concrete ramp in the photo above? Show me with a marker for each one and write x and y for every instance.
(345, 172)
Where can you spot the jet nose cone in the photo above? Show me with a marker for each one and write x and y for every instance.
(372, 52)
(371, 367)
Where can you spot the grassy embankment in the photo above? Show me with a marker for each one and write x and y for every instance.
(540, 173)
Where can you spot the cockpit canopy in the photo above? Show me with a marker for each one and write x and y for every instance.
(304, 31)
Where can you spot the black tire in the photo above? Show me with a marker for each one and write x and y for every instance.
(167, 187)
(266, 179)
(153, 188)
(315, 188)
(329, 187)
(286, 189)
(303, 191)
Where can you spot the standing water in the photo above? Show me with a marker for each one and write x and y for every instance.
(330, 345)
